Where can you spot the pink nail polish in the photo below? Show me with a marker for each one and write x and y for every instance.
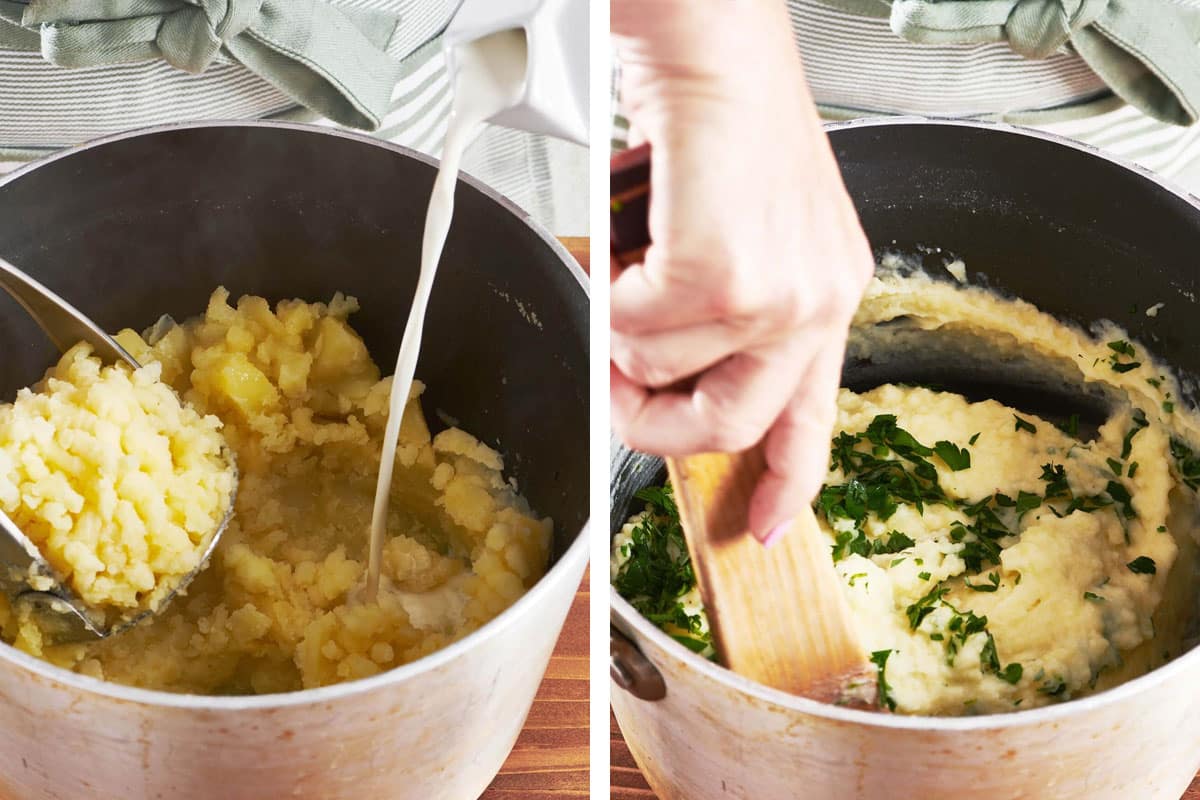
(775, 534)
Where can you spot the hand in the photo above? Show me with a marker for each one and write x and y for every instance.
(757, 261)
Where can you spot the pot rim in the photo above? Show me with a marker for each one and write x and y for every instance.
(1189, 662)
(575, 556)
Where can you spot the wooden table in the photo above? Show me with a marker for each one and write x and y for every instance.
(551, 757)
(628, 784)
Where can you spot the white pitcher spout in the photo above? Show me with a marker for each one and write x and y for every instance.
(554, 98)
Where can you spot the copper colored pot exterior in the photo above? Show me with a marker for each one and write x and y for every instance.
(151, 222)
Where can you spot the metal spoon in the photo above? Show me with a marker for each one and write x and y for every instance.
(25, 576)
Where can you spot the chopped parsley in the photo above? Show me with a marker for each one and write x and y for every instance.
(1024, 425)
(1122, 348)
(658, 571)
(880, 658)
(1186, 462)
(1142, 565)
(956, 458)
(918, 611)
(1053, 688)
(992, 585)
(895, 543)
(1093, 597)
(973, 439)
(1139, 422)
(1071, 426)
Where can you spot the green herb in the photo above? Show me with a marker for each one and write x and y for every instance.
(921, 609)
(880, 658)
(1186, 462)
(1071, 426)
(1162, 528)
(1143, 565)
(896, 561)
(955, 458)
(962, 627)
(1168, 406)
(856, 576)
(1133, 468)
(1121, 496)
(876, 483)
(992, 585)
(1055, 476)
(1054, 687)
(1012, 673)
(1155, 382)
(851, 542)
(973, 439)
(895, 543)
(1027, 501)
(1122, 348)
(1116, 466)
(924, 576)
(1023, 425)
(1139, 422)
(659, 571)
(1092, 596)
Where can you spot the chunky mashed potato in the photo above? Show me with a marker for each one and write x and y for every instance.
(118, 484)
(994, 559)
(280, 606)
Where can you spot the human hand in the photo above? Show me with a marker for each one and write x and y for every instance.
(757, 261)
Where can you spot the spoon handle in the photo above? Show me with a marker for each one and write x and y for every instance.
(63, 323)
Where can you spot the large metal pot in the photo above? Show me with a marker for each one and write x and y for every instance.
(141, 224)
(1083, 237)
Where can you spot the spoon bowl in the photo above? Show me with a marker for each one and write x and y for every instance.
(25, 575)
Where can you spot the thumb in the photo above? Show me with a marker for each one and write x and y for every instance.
(797, 450)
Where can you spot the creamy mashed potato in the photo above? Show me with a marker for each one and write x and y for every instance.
(280, 606)
(993, 559)
(118, 484)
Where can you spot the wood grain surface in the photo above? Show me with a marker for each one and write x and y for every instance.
(551, 757)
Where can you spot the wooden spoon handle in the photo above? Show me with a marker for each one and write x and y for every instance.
(779, 615)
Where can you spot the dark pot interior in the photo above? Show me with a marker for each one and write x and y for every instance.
(152, 223)
(1079, 236)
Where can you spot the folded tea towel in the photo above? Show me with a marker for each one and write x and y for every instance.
(1145, 50)
(330, 60)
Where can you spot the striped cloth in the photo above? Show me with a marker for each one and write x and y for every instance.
(857, 67)
(44, 108)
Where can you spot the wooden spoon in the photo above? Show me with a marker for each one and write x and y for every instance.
(779, 614)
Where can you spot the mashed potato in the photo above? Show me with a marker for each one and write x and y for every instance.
(119, 485)
(993, 559)
(279, 607)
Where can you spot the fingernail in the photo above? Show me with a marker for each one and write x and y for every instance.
(775, 534)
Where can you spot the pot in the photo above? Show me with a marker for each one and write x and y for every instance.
(142, 224)
(1083, 237)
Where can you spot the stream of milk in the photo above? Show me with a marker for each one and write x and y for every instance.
(490, 77)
